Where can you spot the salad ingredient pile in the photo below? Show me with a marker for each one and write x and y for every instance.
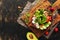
(41, 19)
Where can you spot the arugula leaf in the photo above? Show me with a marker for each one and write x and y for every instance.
(40, 19)
(41, 11)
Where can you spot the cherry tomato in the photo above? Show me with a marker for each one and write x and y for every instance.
(51, 9)
(49, 18)
(56, 29)
(46, 33)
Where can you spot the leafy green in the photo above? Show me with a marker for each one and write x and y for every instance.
(41, 11)
(40, 17)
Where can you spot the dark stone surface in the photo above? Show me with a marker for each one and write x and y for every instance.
(11, 28)
(52, 1)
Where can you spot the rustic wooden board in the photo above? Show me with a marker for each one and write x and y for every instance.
(45, 5)
(56, 5)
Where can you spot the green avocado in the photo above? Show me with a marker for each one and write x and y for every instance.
(31, 36)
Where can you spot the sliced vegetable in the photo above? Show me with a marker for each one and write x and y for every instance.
(44, 27)
(47, 24)
(41, 28)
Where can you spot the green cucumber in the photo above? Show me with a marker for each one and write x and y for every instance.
(44, 27)
(47, 24)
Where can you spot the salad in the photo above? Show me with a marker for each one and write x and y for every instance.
(41, 19)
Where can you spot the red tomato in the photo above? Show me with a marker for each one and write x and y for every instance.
(46, 33)
(49, 18)
(56, 29)
(52, 9)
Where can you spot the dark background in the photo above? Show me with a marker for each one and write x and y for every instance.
(9, 28)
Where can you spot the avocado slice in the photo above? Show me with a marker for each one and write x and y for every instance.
(31, 36)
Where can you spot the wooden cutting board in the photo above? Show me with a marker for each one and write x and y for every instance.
(43, 5)
(56, 5)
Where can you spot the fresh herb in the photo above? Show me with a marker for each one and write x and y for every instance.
(40, 18)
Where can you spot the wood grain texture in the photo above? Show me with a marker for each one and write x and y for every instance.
(44, 5)
(56, 5)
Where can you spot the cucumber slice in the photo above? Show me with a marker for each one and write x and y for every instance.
(44, 27)
(37, 25)
(41, 28)
(47, 24)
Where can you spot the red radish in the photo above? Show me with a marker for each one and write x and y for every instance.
(51, 9)
(56, 29)
(46, 33)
